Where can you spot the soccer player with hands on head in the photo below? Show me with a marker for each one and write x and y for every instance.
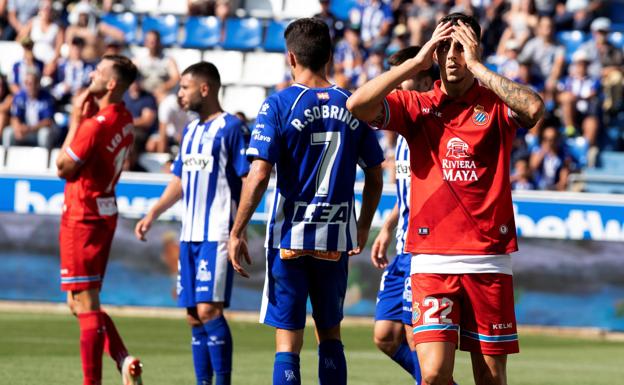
(316, 144)
(207, 176)
(91, 158)
(461, 222)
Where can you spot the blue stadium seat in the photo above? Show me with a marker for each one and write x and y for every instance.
(127, 22)
(274, 40)
(612, 161)
(202, 32)
(166, 25)
(571, 40)
(577, 148)
(616, 13)
(341, 8)
(242, 34)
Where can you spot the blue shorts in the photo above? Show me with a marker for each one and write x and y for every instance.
(204, 273)
(394, 300)
(288, 284)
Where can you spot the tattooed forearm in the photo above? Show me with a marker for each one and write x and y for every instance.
(524, 102)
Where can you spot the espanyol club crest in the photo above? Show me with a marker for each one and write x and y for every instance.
(479, 116)
(415, 312)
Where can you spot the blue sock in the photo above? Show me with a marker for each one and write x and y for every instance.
(201, 356)
(286, 369)
(403, 357)
(417, 375)
(332, 363)
(220, 348)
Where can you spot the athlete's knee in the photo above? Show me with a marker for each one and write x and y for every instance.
(385, 342)
(209, 311)
(329, 334)
(436, 376)
(193, 320)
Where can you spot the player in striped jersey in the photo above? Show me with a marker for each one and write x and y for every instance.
(306, 131)
(393, 311)
(207, 176)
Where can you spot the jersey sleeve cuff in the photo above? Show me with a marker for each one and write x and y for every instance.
(253, 152)
(73, 155)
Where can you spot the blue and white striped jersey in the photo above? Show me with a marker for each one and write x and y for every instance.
(316, 144)
(210, 164)
(403, 183)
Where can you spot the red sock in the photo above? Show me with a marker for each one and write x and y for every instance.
(91, 346)
(113, 344)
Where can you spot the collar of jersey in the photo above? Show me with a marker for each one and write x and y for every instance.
(467, 98)
(309, 88)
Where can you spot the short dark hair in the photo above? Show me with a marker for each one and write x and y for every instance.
(309, 40)
(400, 56)
(125, 70)
(471, 21)
(204, 70)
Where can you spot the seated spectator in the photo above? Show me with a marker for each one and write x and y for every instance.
(348, 59)
(6, 99)
(508, 65)
(422, 17)
(32, 116)
(46, 35)
(605, 63)
(73, 73)
(83, 23)
(172, 120)
(574, 14)
(19, 12)
(142, 105)
(547, 58)
(372, 67)
(28, 64)
(548, 162)
(580, 100)
(375, 21)
(521, 178)
(159, 72)
(335, 25)
(520, 20)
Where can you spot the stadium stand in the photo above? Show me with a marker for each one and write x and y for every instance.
(175, 7)
(296, 8)
(183, 57)
(263, 69)
(245, 99)
(26, 159)
(264, 8)
(166, 25)
(274, 39)
(201, 32)
(242, 34)
(145, 6)
(154, 161)
(571, 40)
(126, 22)
(229, 64)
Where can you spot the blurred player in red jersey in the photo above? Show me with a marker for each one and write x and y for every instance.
(99, 138)
(461, 223)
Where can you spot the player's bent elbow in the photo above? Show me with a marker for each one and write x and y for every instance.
(359, 109)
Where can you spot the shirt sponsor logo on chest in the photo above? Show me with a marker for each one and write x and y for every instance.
(457, 166)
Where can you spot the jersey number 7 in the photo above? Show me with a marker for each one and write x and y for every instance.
(330, 142)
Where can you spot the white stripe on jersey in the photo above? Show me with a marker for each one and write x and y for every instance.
(220, 278)
(277, 223)
(265, 291)
(403, 183)
(207, 214)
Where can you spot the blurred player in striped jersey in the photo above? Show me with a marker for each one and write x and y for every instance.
(207, 176)
(393, 311)
(99, 139)
(315, 144)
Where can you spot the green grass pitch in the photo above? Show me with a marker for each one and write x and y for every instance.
(43, 349)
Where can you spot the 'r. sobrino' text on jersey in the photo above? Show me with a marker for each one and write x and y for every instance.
(316, 144)
(210, 164)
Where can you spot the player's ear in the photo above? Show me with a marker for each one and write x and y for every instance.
(204, 89)
(292, 60)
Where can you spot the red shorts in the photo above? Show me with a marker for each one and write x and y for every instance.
(85, 247)
(480, 307)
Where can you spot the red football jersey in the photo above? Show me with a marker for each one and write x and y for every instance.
(460, 157)
(101, 145)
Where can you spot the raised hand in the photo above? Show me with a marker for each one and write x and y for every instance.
(468, 39)
(441, 33)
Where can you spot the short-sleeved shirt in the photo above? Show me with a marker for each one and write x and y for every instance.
(136, 106)
(101, 145)
(31, 111)
(460, 155)
(542, 55)
(24, 9)
(373, 16)
(316, 144)
(210, 165)
(20, 68)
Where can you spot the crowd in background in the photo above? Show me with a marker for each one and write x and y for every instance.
(581, 86)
